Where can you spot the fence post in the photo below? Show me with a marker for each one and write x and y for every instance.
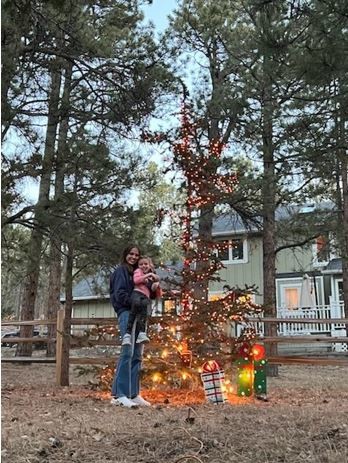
(59, 345)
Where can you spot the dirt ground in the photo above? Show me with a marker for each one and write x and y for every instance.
(305, 420)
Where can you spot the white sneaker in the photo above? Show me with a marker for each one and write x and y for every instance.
(127, 340)
(142, 338)
(123, 402)
(138, 400)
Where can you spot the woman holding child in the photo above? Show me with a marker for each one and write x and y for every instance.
(126, 384)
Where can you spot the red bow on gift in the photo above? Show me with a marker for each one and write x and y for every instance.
(258, 352)
(210, 366)
(244, 350)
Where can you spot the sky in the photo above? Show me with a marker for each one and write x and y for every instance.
(158, 13)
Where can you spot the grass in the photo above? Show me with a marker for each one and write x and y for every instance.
(305, 420)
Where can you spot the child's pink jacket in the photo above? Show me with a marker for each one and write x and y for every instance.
(139, 282)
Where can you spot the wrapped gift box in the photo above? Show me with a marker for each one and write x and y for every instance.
(213, 381)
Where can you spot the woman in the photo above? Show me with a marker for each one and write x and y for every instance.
(126, 385)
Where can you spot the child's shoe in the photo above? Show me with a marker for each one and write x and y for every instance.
(142, 338)
(126, 341)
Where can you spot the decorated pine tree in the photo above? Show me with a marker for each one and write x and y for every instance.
(199, 331)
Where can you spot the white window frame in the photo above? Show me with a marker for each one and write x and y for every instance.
(296, 284)
(245, 252)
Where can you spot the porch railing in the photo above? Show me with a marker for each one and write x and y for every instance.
(321, 312)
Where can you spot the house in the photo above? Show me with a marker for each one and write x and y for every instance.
(92, 300)
(308, 278)
(243, 264)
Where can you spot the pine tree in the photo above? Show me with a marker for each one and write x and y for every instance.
(183, 341)
(115, 78)
(321, 145)
(247, 55)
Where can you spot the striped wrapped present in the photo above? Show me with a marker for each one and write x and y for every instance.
(213, 377)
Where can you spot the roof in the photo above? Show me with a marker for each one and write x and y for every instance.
(97, 286)
(92, 287)
(232, 223)
(334, 266)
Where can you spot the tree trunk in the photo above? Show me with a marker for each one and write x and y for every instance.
(343, 163)
(206, 213)
(55, 272)
(344, 168)
(34, 254)
(205, 225)
(68, 312)
(69, 283)
(269, 206)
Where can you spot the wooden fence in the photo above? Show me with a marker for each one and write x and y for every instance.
(63, 358)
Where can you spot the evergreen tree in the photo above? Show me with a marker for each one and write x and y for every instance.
(111, 66)
(246, 54)
(320, 140)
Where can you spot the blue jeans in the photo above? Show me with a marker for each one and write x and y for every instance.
(126, 381)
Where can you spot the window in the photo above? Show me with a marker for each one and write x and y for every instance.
(237, 249)
(215, 296)
(223, 252)
(232, 251)
(340, 290)
(289, 293)
(292, 298)
(323, 250)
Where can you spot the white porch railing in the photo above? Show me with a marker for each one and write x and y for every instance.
(289, 329)
(334, 310)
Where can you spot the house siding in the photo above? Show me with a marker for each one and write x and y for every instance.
(294, 260)
(93, 308)
(241, 274)
(90, 309)
(291, 265)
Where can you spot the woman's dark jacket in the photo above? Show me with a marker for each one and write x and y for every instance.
(121, 287)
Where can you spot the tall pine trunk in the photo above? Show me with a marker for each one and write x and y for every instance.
(269, 206)
(55, 272)
(344, 175)
(343, 165)
(41, 208)
(205, 225)
(206, 212)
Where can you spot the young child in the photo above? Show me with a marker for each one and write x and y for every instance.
(145, 282)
